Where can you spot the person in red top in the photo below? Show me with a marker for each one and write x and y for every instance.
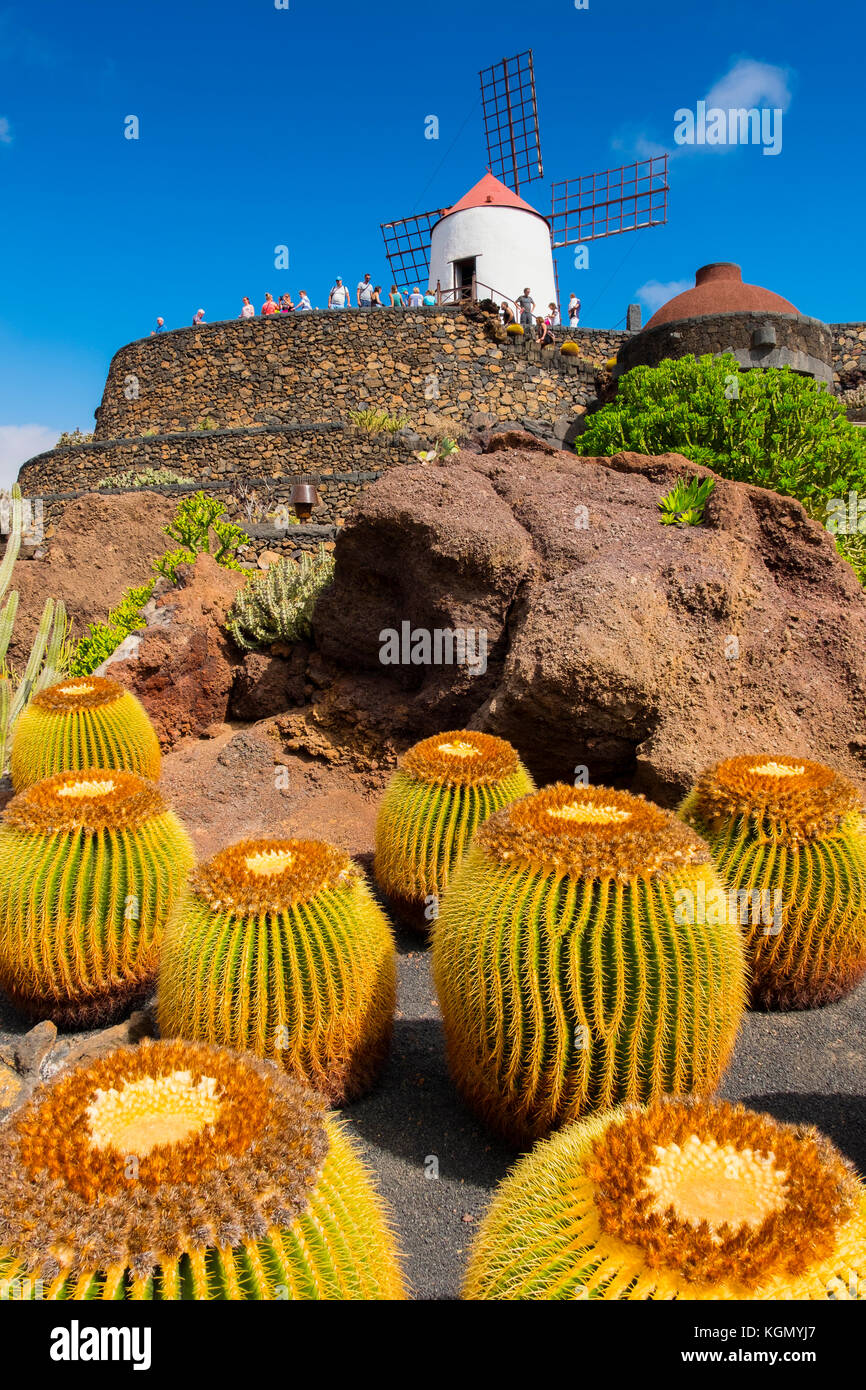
(269, 306)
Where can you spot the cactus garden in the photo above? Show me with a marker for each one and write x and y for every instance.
(432, 701)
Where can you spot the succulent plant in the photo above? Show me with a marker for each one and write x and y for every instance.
(515, 330)
(86, 722)
(789, 839)
(279, 948)
(277, 606)
(577, 964)
(569, 348)
(683, 1199)
(443, 789)
(91, 864)
(179, 1171)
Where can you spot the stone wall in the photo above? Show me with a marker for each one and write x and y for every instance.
(802, 343)
(849, 355)
(424, 363)
(239, 455)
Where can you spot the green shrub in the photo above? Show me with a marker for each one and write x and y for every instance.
(197, 517)
(75, 436)
(102, 639)
(769, 427)
(277, 606)
(377, 421)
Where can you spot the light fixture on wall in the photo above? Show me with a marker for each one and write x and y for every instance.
(303, 499)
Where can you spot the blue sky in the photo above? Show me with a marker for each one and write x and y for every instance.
(305, 127)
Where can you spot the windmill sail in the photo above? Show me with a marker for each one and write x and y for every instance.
(407, 246)
(605, 204)
(510, 112)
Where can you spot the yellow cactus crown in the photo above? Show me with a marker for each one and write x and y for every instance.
(719, 1193)
(460, 758)
(153, 1151)
(77, 693)
(803, 800)
(92, 799)
(591, 833)
(272, 875)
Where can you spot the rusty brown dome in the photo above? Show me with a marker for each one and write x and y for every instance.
(719, 289)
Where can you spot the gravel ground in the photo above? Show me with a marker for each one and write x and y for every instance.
(805, 1067)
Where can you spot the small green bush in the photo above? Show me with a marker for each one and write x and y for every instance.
(74, 437)
(684, 504)
(277, 606)
(102, 639)
(197, 517)
(377, 421)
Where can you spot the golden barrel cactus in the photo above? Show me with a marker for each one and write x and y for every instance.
(576, 965)
(83, 722)
(179, 1171)
(91, 864)
(443, 789)
(789, 840)
(279, 948)
(682, 1199)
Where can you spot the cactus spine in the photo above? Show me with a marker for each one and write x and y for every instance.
(789, 839)
(684, 1199)
(575, 966)
(279, 948)
(91, 864)
(177, 1171)
(85, 722)
(443, 789)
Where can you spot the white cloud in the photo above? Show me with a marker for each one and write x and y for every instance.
(5, 131)
(18, 443)
(654, 294)
(750, 83)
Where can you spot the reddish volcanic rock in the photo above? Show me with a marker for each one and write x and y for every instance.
(185, 664)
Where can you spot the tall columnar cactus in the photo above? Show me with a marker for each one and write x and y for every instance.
(582, 959)
(279, 948)
(49, 656)
(91, 864)
(178, 1171)
(789, 840)
(684, 1199)
(83, 722)
(443, 789)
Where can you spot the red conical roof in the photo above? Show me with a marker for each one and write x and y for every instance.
(720, 289)
(490, 192)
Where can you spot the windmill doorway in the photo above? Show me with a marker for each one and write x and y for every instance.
(464, 277)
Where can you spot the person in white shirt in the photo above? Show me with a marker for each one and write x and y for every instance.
(339, 296)
(303, 305)
(248, 311)
(365, 293)
(573, 310)
(416, 299)
(553, 315)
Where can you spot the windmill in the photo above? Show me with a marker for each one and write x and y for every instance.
(492, 242)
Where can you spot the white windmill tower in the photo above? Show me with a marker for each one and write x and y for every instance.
(492, 243)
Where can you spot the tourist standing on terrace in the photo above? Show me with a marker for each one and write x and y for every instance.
(339, 296)
(365, 293)
(269, 307)
(573, 310)
(396, 298)
(416, 299)
(526, 305)
(553, 315)
(376, 301)
(286, 305)
(304, 306)
(247, 309)
(198, 318)
(430, 298)
(160, 324)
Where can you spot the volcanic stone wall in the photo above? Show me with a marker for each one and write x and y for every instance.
(425, 363)
(805, 344)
